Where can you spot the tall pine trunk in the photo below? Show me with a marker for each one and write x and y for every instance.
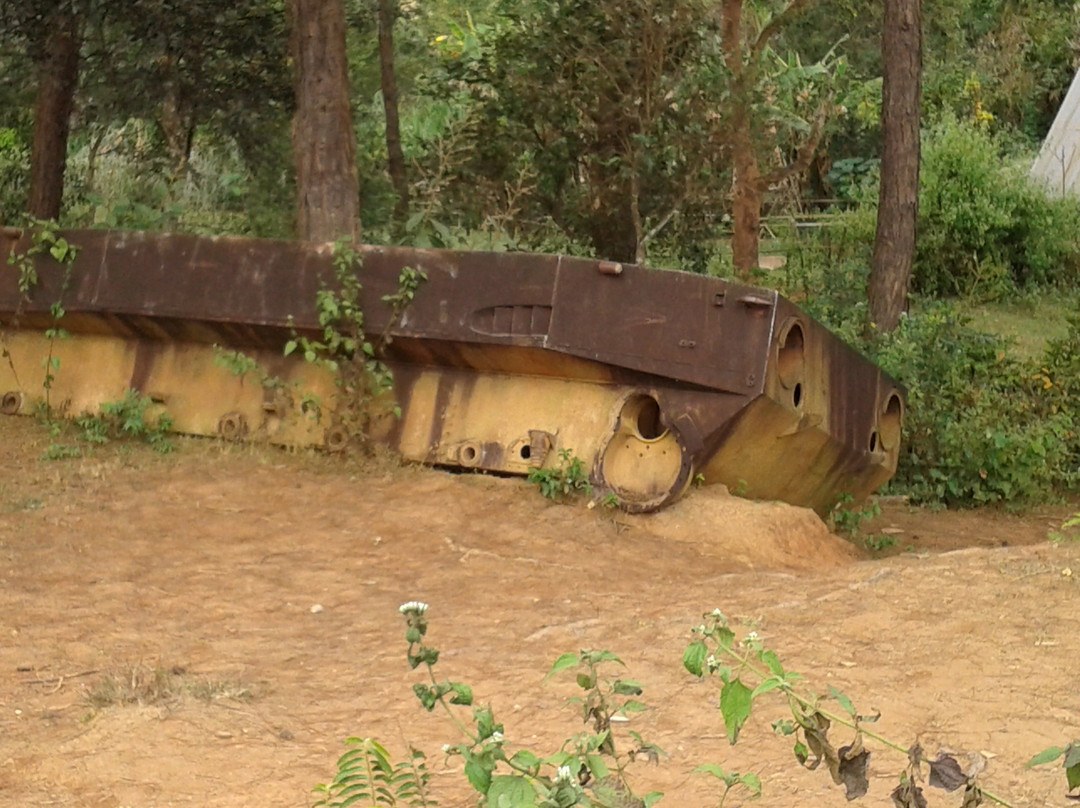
(323, 139)
(58, 76)
(898, 204)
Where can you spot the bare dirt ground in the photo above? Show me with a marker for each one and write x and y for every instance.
(205, 568)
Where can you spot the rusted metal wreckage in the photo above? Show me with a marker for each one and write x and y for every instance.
(653, 378)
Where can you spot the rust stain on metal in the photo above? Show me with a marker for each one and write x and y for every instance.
(651, 378)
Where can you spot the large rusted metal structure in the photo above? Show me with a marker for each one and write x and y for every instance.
(653, 378)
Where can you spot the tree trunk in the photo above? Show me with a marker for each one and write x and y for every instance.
(898, 204)
(746, 200)
(747, 191)
(395, 157)
(323, 140)
(58, 71)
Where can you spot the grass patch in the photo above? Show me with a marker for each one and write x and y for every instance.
(1029, 322)
(144, 686)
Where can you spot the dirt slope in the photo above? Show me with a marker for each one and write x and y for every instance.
(269, 583)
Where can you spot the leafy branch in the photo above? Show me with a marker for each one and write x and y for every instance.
(588, 770)
(716, 652)
(345, 348)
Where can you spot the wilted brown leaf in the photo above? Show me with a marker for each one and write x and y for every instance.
(852, 769)
(945, 773)
(972, 796)
(908, 795)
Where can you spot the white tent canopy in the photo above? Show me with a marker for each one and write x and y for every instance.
(1058, 164)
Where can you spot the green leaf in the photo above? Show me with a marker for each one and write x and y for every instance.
(462, 694)
(511, 791)
(626, 687)
(479, 776)
(711, 768)
(693, 658)
(842, 700)
(1072, 755)
(291, 346)
(752, 783)
(526, 760)
(736, 701)
(1072, 775)
(597, 766)
(585, 682)
(1046, 756)
(773, 662)
(564, 662)
(652, 798)
(768, 684)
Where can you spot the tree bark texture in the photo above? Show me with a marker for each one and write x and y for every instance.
(898, 203)
(394, 154)
(58, 72)
(323, 139)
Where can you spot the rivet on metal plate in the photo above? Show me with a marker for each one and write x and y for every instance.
(609, 268)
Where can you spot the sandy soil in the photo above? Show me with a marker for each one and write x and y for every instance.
(262, 588)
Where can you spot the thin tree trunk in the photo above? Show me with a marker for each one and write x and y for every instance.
(324, 143)
(747, 191)
(58, 71)
(395, 157)
(898, 204)
(746, 200)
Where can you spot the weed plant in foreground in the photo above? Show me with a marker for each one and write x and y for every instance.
(592, 767)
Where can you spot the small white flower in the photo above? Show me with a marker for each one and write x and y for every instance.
(716, 613)
(413, 606)
(496, 737)
(564, 775)
(712, 663)
(752, 636)
(446, 748)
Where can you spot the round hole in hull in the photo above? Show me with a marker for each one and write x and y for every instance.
(790, 353)
(891, 421)
(11, 403)
(641, 414)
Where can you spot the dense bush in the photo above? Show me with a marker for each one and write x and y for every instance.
(984, 229)
(14, 158)
(981, 426)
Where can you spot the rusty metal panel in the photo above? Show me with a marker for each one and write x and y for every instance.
(502, 360)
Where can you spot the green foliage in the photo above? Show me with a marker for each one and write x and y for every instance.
(984, 228)
(1070, 761)
(345, 348)
(568, 479)
(45, 242)
(981, 427)
(14, 162)
(589, 769)
(747, 671)
(368, 776)
(129, 418)
(848, 520)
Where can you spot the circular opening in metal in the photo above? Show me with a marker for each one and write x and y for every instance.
(891, 421)
(336, 439)
(874, 441)
(641, 414)
(11, 403)
(790, 355)
(232, 426)
(468, 454)
(796, 396)
(526, 452)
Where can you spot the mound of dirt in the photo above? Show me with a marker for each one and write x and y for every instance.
(752, 534)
